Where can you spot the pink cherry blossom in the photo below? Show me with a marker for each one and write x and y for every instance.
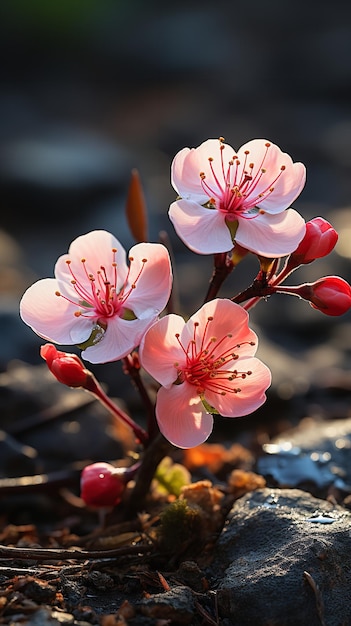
(242, 196)
(96, 301)
(205, 365)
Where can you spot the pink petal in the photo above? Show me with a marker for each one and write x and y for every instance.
(252, 394)
(203, 230)
(185, 173)
(228, 318)
(96, 247)
(120, 338)
(160, 350)
(50, 316)
(271, 235)
(181, 416)
(286, 189)
(153, 286)
(289, 184)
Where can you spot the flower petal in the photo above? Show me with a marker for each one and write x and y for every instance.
(96, 247)
(160, 350)
(153, 279)
(271, 235)
(203, 230)
(268, 160)
(181, 416)
(50, 316)
(251, 394)
(120, 338)
(228, 319)
(187, 166)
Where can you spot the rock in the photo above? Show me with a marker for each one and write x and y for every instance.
(314, 456)
(176, 605)
(284, 558)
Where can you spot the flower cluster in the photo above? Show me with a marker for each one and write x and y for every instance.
(230, 203)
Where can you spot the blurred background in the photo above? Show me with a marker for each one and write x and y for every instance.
(92, 89)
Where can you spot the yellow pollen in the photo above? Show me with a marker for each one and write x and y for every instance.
(83, 260)
(77, 314)
(221, 139)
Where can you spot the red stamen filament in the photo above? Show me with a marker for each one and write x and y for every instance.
(235, 194)
(206, 367)
(102, 300)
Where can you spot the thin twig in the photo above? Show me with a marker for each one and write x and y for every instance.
(42, 554)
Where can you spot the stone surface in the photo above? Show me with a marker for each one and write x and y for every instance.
(284, 559)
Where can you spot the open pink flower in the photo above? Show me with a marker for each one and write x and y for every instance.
(205, 366)
(242, 196)
(96, 301)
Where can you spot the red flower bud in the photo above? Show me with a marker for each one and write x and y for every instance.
(330, 295)
(102, 485)
(319, 240)
(66, 367)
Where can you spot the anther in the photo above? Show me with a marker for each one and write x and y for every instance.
(267, 144)
(283, 168)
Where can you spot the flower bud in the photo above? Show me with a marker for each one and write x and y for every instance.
(102, 485)
(319, 240)
(66, 367)
(330, 295)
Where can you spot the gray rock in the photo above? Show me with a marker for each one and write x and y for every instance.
(284, 559)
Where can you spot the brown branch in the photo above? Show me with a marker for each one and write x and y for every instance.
(43, 554)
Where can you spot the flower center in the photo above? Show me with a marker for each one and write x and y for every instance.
(237, 190)
(97, 293)
(209, 364)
